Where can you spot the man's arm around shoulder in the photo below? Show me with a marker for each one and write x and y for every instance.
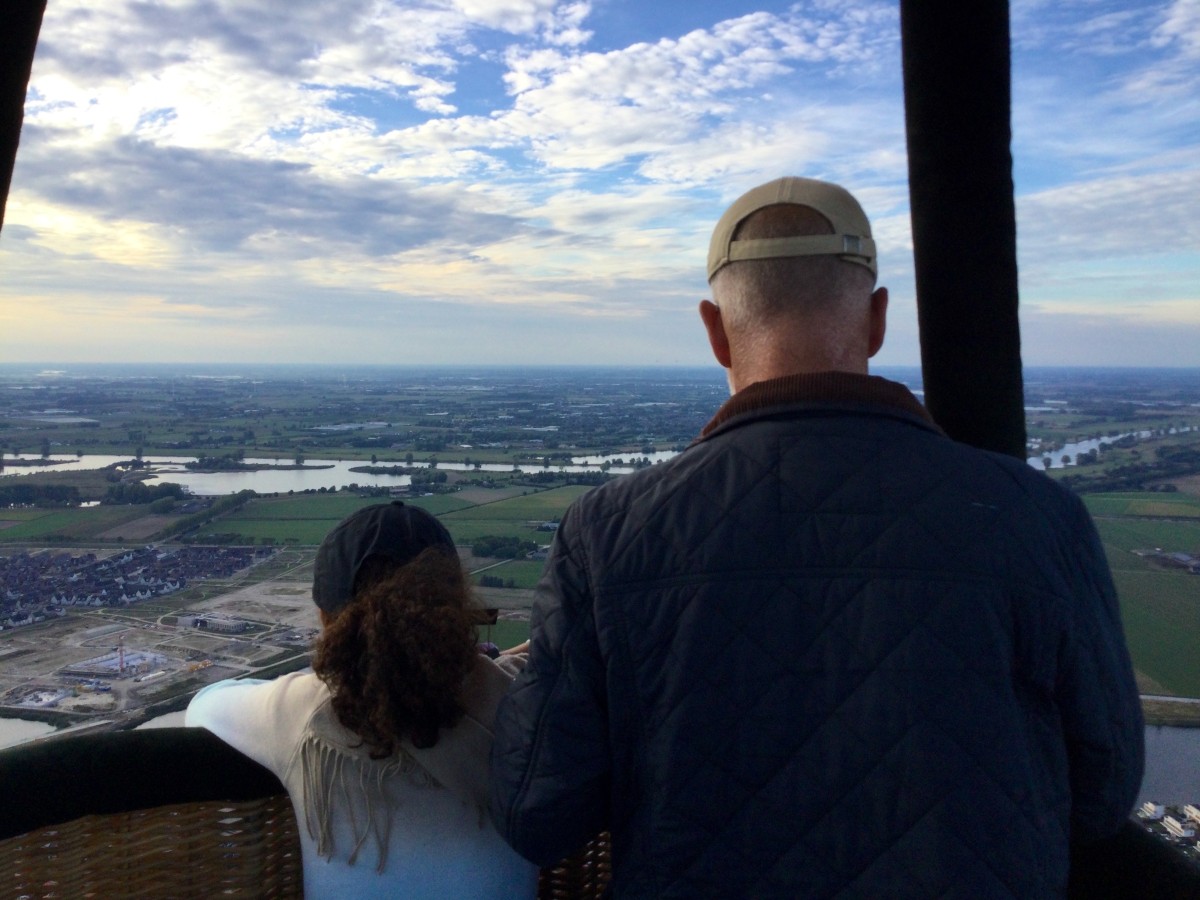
(550, 765)
(1098, 700)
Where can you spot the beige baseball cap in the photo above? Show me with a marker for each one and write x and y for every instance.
(851, 238)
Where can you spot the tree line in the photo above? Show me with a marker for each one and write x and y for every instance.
(500, 547)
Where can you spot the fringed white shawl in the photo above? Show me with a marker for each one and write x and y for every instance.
(338, 771)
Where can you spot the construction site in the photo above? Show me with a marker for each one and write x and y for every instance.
(113, 667)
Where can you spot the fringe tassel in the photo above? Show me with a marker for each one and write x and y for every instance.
(326, 768)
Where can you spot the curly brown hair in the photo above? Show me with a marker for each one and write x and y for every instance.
(396, 656)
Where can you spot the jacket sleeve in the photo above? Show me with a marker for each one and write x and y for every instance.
(550, 765)
(262, 719)
(1098, 698)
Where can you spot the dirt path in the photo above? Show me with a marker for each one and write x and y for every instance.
(137, 529)
(1188, 485)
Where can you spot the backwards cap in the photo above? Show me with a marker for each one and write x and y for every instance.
(396, 532)
(851, 238)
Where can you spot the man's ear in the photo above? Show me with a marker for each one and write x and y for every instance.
(710, 315)
(879, 302)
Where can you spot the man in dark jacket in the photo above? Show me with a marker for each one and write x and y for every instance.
(826, 651)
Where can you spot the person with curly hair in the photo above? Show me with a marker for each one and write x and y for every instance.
(383, 747)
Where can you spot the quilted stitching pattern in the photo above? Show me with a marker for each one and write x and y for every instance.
(829, 654)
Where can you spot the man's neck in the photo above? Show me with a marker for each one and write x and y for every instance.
(743, 376)
(803, 349)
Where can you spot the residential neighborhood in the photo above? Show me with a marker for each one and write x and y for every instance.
(36, 586)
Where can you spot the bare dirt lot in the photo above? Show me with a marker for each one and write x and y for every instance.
(505, 598)
(489, 495)
(1188, 485)
(272, 602)
(138, 529)
(281, 619)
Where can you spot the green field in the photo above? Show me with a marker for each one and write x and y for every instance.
(1127, 535)
(1143, 504)
(308, 518)
(440, 504)
(1161, 611)
(523, 572)
(505, 633)
(301, 506)
(305, 519)
(81, 524)
(516, 517)
(537, 506)
(1160, 606)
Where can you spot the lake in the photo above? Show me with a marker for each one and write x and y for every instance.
(336, 473)
(319, 473)
(1172, 765)
(18, 731)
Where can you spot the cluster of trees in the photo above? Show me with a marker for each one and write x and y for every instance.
(223, 463)
(494, 581)
(225, 537)
(500, 547)
(132, 492)
(428, 476)
(428, 443)
(39, 495)
(420, 475)
(1170, 462)
(373, 440)
(541, 479)
(225, 504)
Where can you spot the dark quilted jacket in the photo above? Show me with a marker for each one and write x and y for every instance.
(825, 652)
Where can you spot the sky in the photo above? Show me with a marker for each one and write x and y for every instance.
(535, 181)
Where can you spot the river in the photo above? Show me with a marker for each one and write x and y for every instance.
(1072, 449)
(317, 474)
(1172, 765)
(336, 473)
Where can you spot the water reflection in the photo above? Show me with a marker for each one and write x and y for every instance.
(317, 473)
(333, 474)
(166, 720)
(18, 731)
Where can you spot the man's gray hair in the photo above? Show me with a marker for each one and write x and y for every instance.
(758, 292)
(755, 292)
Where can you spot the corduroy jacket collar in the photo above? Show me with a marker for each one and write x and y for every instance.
(832, 388)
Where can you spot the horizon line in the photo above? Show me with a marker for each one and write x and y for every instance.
(48, 367)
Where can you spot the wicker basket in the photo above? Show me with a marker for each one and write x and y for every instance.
(199, 849)
(171, 813)
(580, 877)
(206, 849)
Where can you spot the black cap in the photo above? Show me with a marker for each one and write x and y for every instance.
(392, 531)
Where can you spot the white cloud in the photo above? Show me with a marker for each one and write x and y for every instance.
(1111, 217)
(513, 16)
(341, 164)
(663, 101)
(223, 75)
(1181, 28)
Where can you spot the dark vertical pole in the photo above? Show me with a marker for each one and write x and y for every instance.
(20, 22)
(957, 100)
